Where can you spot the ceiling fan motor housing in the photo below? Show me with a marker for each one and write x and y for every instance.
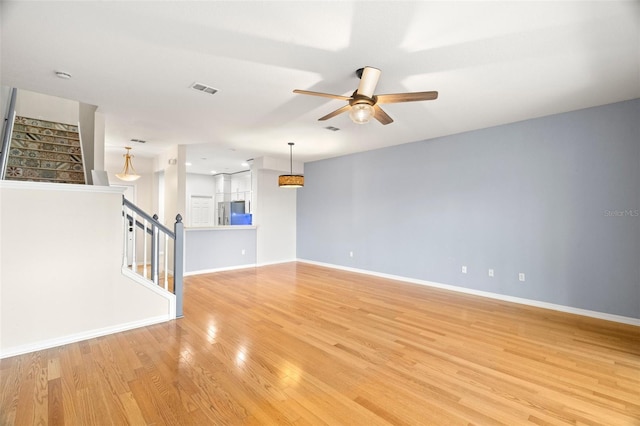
(361, 99)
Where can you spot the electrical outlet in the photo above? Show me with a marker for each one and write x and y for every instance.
(491, 272)
(464, 269)
(243, 252)
(521, 276)
(350, 254)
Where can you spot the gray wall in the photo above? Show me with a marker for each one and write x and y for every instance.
(556, 198)
(210, 249)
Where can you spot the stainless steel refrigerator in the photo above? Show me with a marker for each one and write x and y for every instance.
(228, 208)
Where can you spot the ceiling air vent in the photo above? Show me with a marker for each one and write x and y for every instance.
(333, 129)
(203, 88)
(138, 140)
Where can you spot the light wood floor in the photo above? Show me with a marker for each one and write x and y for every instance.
(300, 344)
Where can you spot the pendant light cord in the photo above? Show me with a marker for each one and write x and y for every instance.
(291, 157)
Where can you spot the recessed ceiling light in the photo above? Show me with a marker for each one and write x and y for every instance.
(213, 172)
(63, 75)
(245, 164)
(187, 164)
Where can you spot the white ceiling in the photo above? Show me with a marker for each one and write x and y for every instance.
(491, 62)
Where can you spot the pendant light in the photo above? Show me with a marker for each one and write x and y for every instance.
(128, 172)
(291, 180)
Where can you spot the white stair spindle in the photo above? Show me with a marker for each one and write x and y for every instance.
(156, 259)
(144, 237)
(125, 228)
(133, 243)
(166, 262)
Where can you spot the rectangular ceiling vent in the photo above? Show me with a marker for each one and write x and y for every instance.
(333, 129)
(203, 88)
(138, 140)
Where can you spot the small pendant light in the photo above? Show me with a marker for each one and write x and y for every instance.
(291, 180)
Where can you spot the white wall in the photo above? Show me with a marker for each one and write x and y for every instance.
(98, 141)
(175, 184)
(5, 94)
(114, 162)
(45, 107)
(157, 196)
(142, 188)
(60, 276)
(275, 218)
(198, 184)
(86, 117)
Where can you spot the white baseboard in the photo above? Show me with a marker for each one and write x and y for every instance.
(277, 262)
(226, 268)
(72, 338)
(513, 299)
(233, 268)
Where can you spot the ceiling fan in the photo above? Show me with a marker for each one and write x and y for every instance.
(363, 104)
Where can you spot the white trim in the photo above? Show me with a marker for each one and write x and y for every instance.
(71, 187)
(171, 298)
(72, 338)
(232, 268)
(124, 187)
(503, 297)
(226, 268)
(277, 262)
(220, 228)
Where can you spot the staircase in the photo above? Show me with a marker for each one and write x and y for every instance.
(44, 151)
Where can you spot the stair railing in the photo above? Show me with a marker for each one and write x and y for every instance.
(154, 246)
(7, 127)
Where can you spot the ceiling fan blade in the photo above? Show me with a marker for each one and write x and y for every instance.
(324, 95)
(368, 81)
(382, 116)
(334, 113)
(394, 98)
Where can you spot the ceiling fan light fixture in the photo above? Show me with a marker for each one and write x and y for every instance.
(128, 173)
(361, 113)
(363, 104)
(291, 180)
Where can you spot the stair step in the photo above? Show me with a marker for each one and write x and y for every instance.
(45, 151)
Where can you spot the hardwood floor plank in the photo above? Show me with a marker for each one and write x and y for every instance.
(10, 381)
(41, 396)
(55, 412)
(299, 344)
(131, 409)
